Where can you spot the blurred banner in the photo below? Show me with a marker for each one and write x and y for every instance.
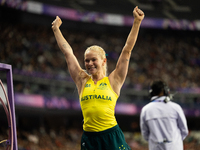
(97, 17)
(39, 101)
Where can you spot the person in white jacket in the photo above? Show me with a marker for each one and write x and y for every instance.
(162, 122)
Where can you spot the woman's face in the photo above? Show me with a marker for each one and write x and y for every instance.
(93, 62)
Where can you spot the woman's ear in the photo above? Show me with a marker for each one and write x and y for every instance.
(104, 61)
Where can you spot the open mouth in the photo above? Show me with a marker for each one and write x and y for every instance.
(91, 69)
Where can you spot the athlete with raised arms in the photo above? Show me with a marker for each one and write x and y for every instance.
(98, 92)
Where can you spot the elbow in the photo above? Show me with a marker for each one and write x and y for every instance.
(146, 137)
(185, 134)
(128, 49)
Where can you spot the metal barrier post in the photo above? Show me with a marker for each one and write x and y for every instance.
(8, 69)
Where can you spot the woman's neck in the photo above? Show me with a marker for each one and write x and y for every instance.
(96, 78)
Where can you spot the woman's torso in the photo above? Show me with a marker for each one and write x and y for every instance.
(98, 105)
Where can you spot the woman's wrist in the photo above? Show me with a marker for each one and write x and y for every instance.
(55, 29)
(137, 22)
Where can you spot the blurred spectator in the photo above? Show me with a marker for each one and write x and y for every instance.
(38, 141)
(32, 51)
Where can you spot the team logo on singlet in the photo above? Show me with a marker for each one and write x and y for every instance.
(88, 85)
(103, 86)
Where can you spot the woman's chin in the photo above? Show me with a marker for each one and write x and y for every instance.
(92, 72)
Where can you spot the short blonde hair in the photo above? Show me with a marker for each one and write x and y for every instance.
(100, 52)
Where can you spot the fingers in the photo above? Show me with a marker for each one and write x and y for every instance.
(138, 14)
(56, 23)
(53, 22)
(138, 11)
(57, 19)
(135, 9)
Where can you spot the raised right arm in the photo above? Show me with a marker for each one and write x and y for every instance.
(72, 62)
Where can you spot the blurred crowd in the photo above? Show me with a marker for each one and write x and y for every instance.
(33, 52)
(70, 139)
(171, 55)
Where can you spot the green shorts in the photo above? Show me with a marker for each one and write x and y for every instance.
(110, 139)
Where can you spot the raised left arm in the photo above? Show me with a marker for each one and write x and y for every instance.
(118, 76)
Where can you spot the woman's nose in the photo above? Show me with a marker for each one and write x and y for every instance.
(90, 62)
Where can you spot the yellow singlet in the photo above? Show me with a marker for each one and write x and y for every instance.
(98, 105)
